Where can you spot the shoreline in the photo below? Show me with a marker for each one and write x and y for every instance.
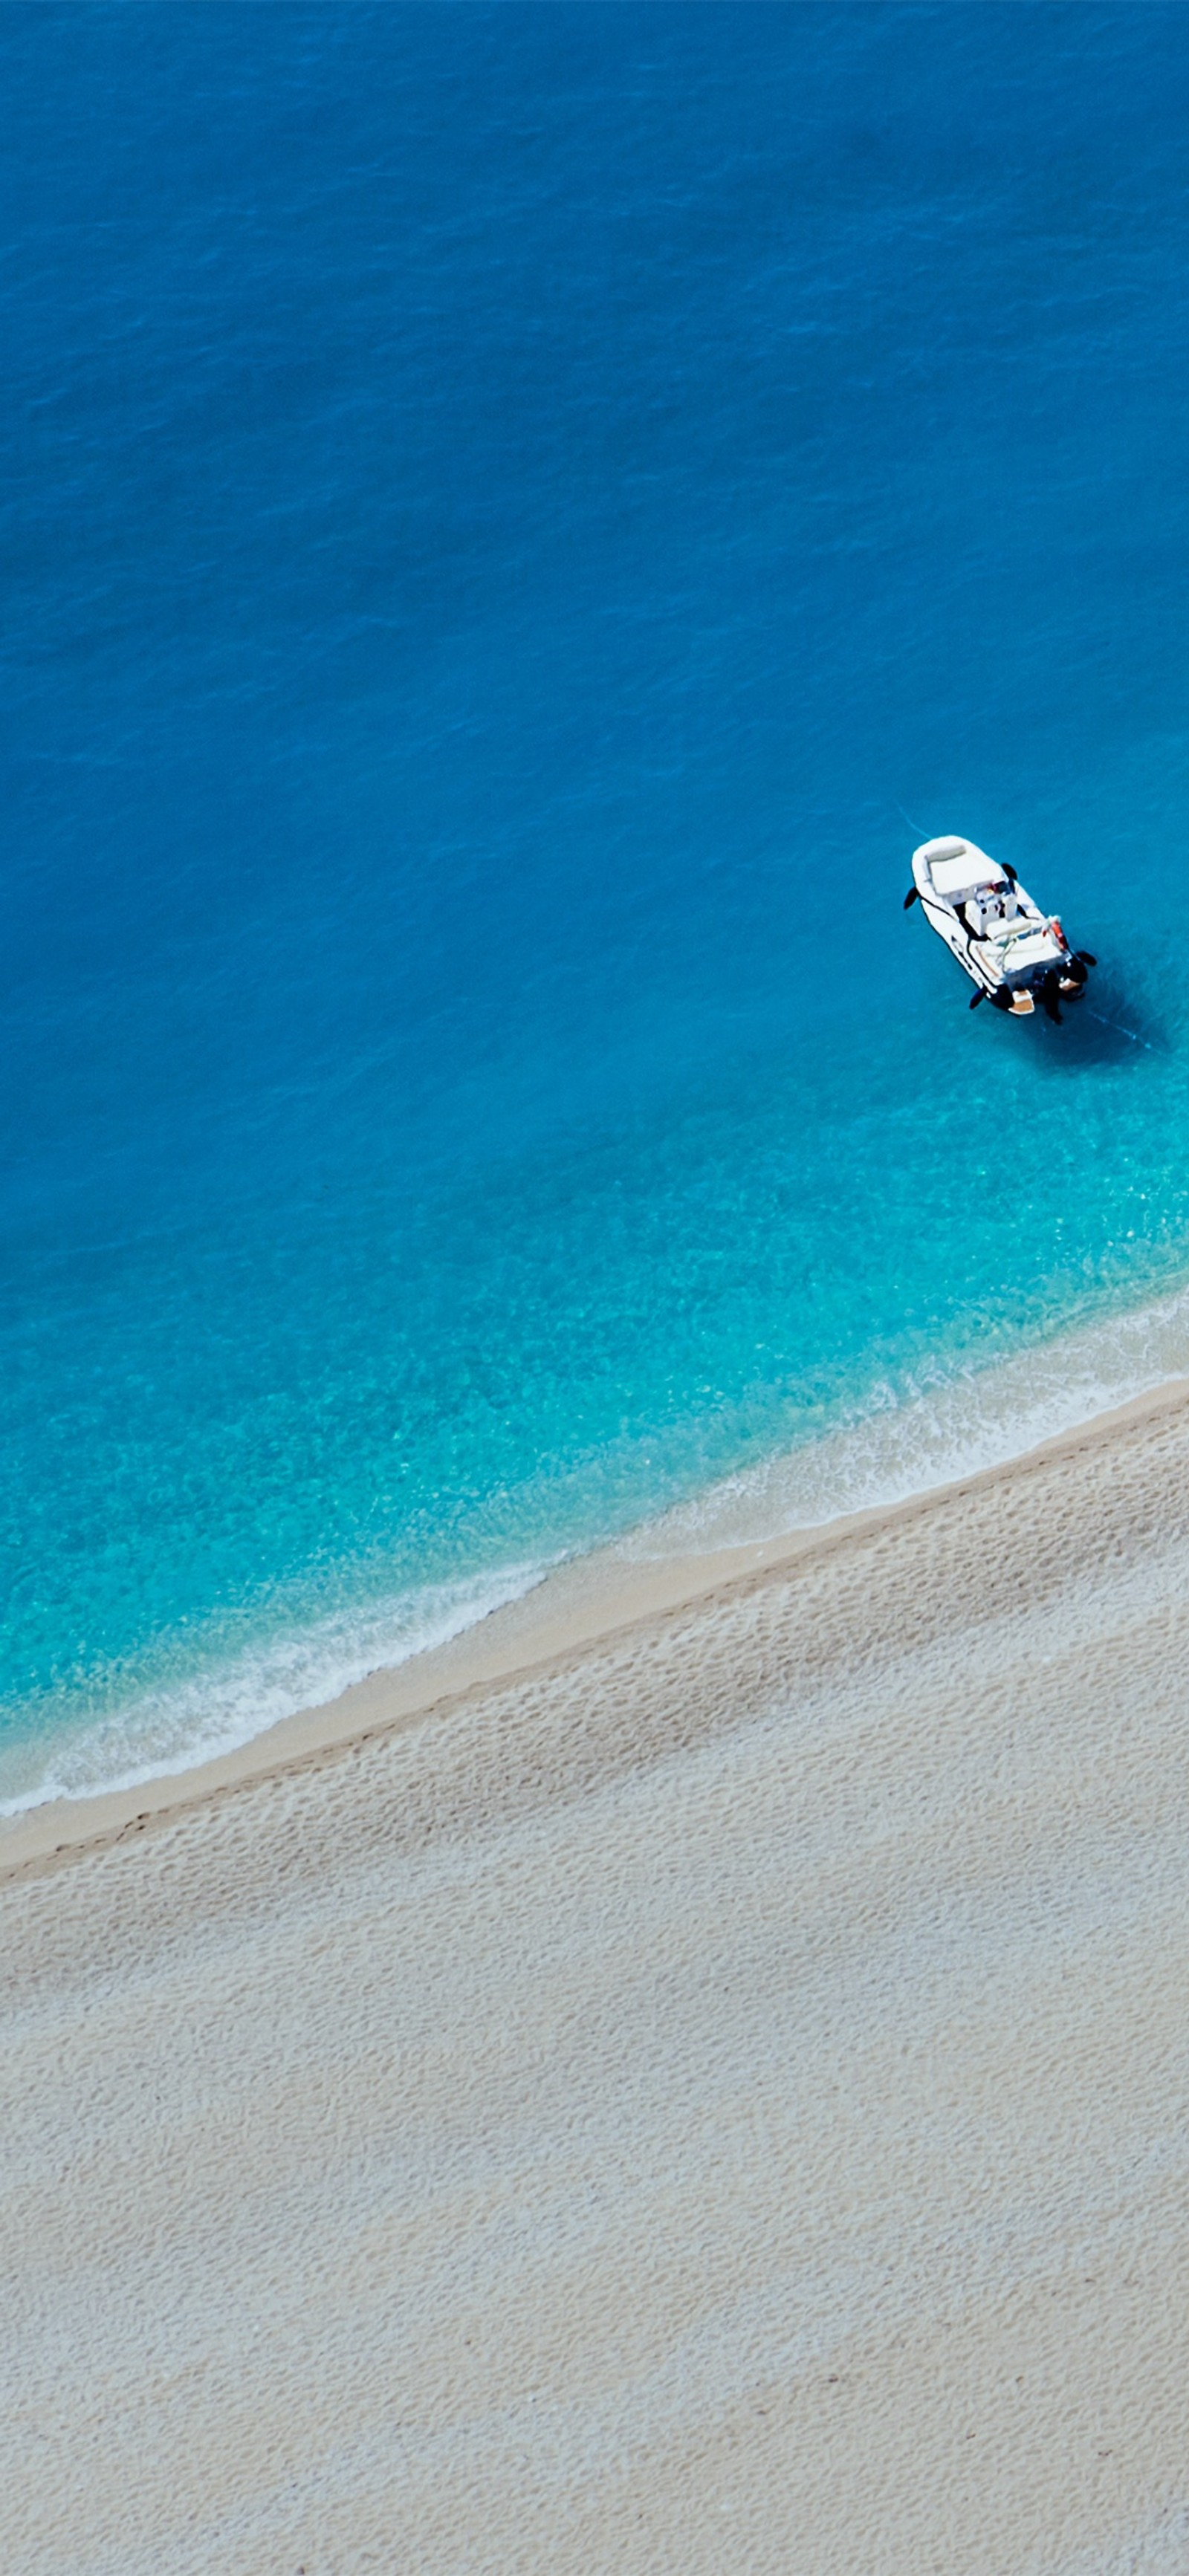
(576, 1608)
(731, 2061)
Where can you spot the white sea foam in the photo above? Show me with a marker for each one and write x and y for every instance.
(909, 1439)
(225, 1703)
(924, 1433)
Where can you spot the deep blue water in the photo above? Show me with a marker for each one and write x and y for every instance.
(514, 522)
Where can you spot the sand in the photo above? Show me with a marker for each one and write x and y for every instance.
(713, 2098)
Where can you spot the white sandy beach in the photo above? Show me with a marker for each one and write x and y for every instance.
(712, 2097)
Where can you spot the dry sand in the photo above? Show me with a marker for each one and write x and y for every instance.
(714, 2100)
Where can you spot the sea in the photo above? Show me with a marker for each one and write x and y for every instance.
(515, 522)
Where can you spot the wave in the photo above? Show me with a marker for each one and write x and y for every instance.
(908, 1437)
(931, 1428)
(196, 1717)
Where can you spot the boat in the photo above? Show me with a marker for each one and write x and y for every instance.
(1017, 956)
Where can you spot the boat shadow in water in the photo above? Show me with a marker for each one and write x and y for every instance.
(1101, 1028)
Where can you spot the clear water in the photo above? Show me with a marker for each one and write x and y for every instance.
(514, 523)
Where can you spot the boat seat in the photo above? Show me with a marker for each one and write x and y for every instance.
(1033, 947)
(955, 878)
(991, 916)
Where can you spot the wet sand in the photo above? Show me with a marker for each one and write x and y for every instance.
(697, 2078)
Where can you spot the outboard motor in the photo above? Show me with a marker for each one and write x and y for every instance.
(1048, 993)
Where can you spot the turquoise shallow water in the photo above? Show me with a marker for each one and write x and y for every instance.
(515, 522)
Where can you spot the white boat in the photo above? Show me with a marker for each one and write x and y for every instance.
(1016, 955)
